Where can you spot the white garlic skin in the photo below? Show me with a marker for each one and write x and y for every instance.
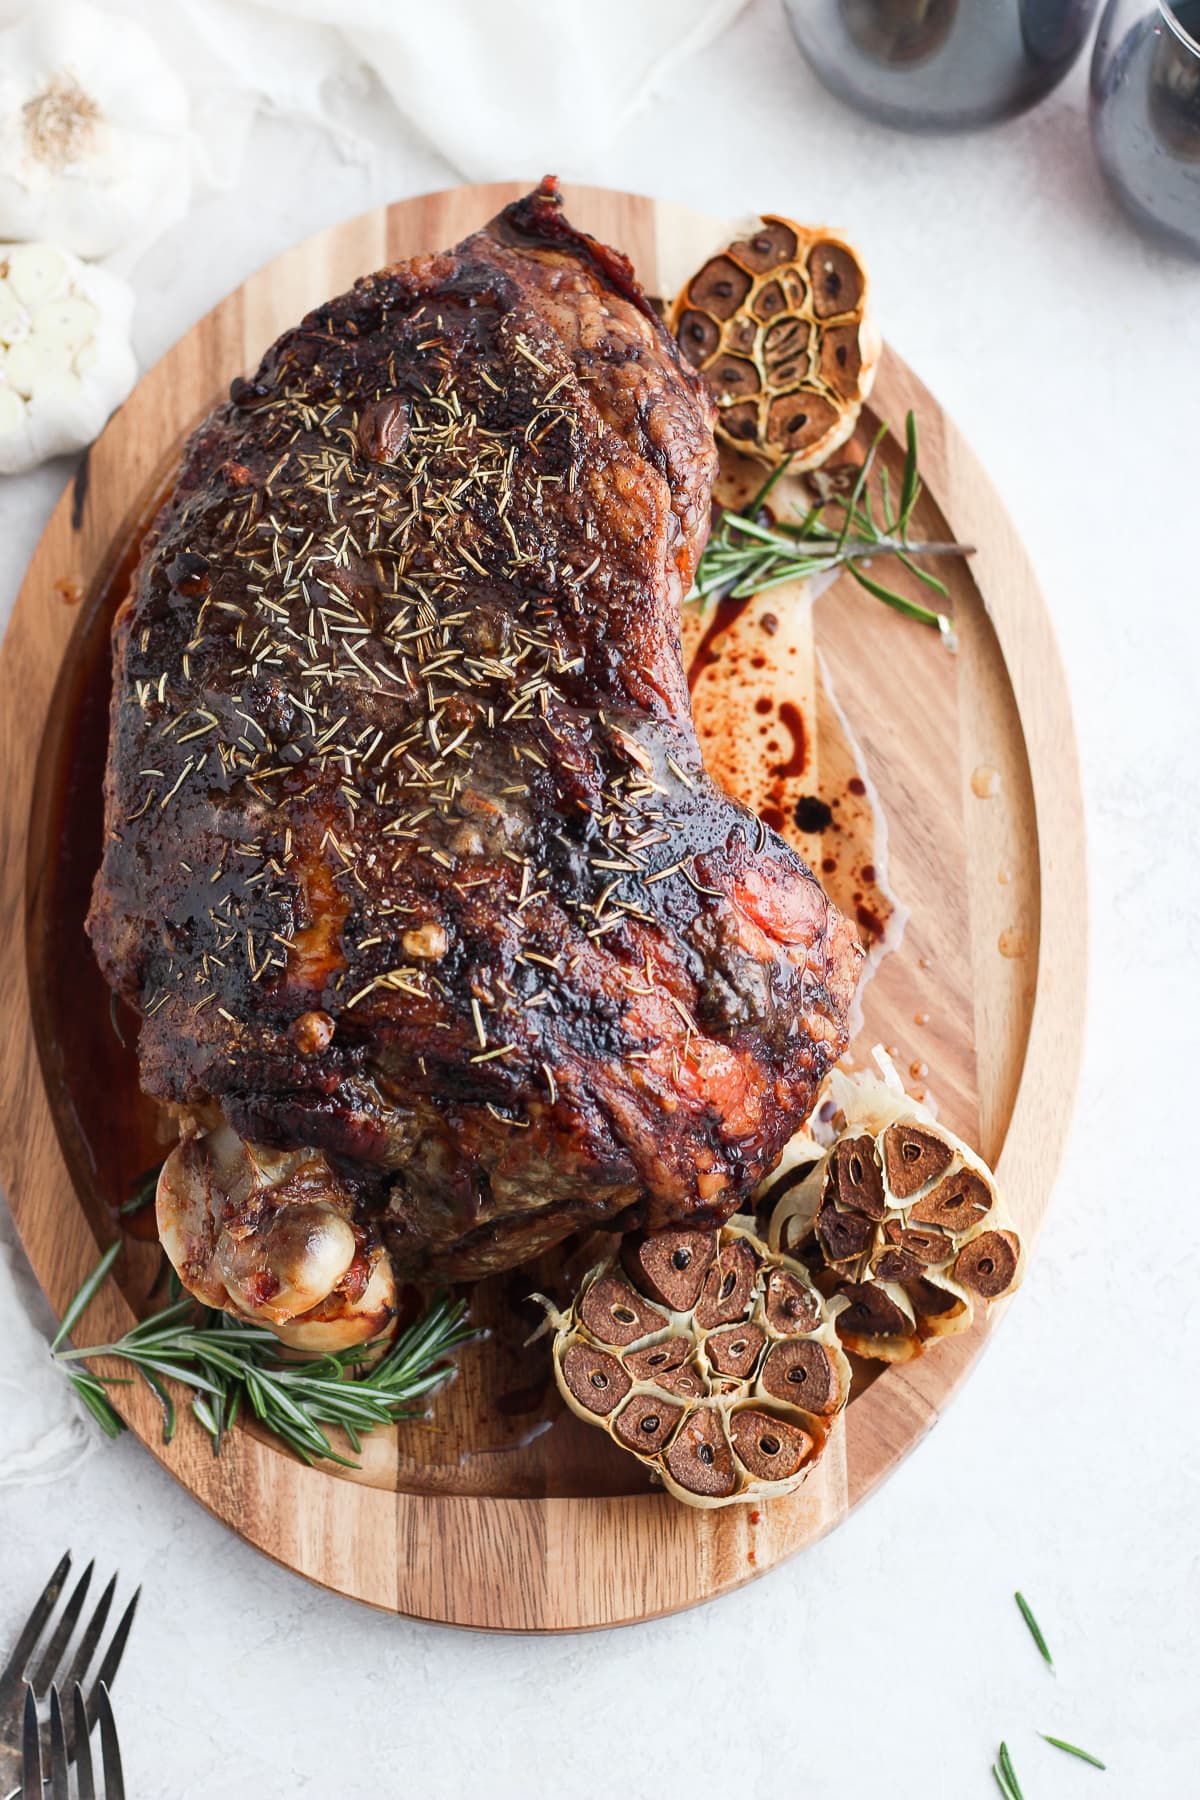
(66, 361)
(94, 144)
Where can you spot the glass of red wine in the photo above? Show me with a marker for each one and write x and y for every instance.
(1145, 103)
(940, 65)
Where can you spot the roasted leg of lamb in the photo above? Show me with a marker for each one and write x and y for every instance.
(442, 941)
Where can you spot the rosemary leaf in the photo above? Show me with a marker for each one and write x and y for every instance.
(1035, 1630)
(1009, 1773)
(910, 485)
(86, 1295)
(900, 603)
(98, 1404)
(1073, 1750)
(930, 580)
(853, 516)
(144, 1190)
(162, 1395)
(208, 1418)
(768, 487)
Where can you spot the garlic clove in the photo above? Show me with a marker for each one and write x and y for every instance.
(699, 1465)
(658, 1360)
(957, 1203)
(67, 323)
(36, 273)
(729, 1284)
(670, 1266)
(768, 1447)
(14, 320)
(645, 1423)
(27, 366)
(803, 1372)
(913, 1155)
(592, 1381)
(615, 1313)
(791, 1308)
(734, 1351)
(988, 1264)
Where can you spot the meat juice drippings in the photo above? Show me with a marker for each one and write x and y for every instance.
(774, 734)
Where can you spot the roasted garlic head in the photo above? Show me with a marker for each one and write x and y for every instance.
(269, 1235)
(711, 1360)
(778, 325)
(898, 1218)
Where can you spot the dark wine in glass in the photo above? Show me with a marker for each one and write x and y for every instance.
(940, 65)
(1146, 114)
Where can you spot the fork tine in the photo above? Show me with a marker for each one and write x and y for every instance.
(107, 1672)
(83, 1746)
(110, 1750)
(58, 1750)
(14, 1668)
(91, 1637)
(47, 1667)
(31, 1750)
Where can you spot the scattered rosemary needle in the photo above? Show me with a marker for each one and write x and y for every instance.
(744, 557)
(228, 1363)
(1035, 1630)
(1073, 1750)
(1006, 1776)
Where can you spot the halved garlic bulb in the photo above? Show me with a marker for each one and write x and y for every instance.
(898, 1219)
(270, 1235)
(94, 146)
(707, 1357)
(65, 356)
(779, 327)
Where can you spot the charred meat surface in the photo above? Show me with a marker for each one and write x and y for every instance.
(411, 861)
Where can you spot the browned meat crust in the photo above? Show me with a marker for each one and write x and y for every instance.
(410, 853)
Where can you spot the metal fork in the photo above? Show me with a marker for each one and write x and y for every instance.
(60, 1760)
(21, 1668)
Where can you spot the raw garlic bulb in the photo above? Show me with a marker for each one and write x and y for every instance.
(94, 145)
(65, 355)
(898, 1219)
(712, 1361)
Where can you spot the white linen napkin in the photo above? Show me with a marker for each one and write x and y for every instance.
(499, 87)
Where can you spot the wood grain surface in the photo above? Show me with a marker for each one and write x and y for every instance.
(499, 1510)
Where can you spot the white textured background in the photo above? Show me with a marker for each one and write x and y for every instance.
(890, 1659)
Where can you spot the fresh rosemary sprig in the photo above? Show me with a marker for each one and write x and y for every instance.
(1073, 1750)
(228, 1364)
(744, 557)
(1035, 1630)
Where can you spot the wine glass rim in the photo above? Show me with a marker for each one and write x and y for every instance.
(1179, 29)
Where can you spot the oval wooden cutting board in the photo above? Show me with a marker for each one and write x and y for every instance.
(496, 1511)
